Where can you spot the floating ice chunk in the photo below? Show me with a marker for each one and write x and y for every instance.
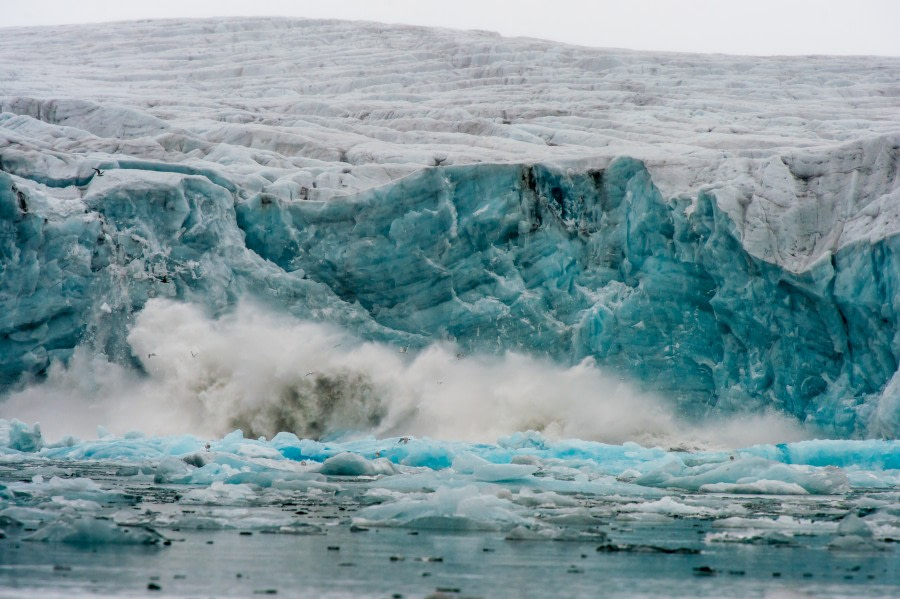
(21, 437)
(8, 522)
(77, 505)
(526, 440)
(853, 525)
(230, 518)
(94, 531)
(528, 533)
(785, 524)
(535, 532)
(868, 479)
(574, 517)
(298, 528)
(29, 516)
(666, 506)
(257, 450)
(304, 484)
(417, 480)
(223, 517)
(256, 519)
(589, 535)
(465, 508)
(746, 471)
(502, 472)
(753, 537)
(875, 503)
(218, 493)
(885, 525)
(466, 462)
(870, 454)
(346, 464)
(172, 470)
(196, 522)
(69, 489)
(527, 460)
(852, 543)
(210, 473)
(760, 487)
(584, 485)
(197, 460)
(529, 498)
(351, 464)
(430, 455)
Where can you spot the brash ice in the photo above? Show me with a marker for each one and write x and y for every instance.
(503, 195)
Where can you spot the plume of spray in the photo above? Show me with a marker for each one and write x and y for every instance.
(264, 373)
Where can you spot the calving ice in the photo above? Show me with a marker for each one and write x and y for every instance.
(494, 288)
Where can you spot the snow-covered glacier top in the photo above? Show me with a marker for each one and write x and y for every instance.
(266, 97)
(722, 229)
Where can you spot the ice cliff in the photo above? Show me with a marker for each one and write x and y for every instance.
(722, 230)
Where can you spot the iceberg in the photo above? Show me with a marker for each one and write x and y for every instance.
(351, 464)
(464, 508)
(95, 532)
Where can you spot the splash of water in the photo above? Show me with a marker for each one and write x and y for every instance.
(265, 373)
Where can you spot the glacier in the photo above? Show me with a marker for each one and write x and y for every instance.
(415, 312)
(495, 257)
(730, 257)
(751, 266)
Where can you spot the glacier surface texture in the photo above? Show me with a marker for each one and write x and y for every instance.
(723, 231)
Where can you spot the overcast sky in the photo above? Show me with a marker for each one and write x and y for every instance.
(726, 26)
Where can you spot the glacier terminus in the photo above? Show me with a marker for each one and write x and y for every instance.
(466, 292)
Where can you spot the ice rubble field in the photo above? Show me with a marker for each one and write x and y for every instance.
(837, 500)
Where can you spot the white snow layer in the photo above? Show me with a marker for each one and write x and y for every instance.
(801, 151)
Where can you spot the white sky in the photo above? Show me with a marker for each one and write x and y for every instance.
(726, 26)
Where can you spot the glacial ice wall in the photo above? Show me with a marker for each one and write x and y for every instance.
(495, 257)
(503, 194)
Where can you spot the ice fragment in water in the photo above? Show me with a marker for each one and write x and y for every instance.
(94, 531)
(22, 437)
(351, 464)
(465, 508)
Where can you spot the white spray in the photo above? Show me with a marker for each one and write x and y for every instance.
(264, 373)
